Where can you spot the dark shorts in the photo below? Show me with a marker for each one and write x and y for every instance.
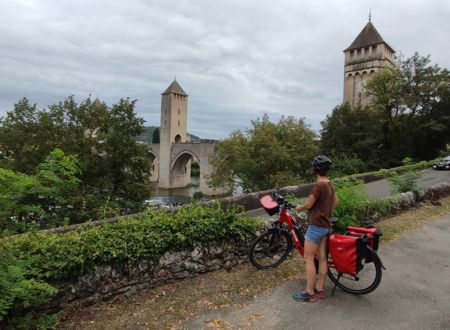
(315, 233)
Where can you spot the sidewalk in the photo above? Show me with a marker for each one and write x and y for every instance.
(414, 294)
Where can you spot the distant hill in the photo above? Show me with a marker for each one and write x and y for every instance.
(148, 135)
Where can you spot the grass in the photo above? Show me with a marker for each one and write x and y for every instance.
(169, 306)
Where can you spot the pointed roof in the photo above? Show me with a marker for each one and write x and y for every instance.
(174, 88)
(98, 103)
(367, 37)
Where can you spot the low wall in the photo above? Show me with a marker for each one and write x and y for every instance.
(251, 201)
(248, 201)
(107, 281)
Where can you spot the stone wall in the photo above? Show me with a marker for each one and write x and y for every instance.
(251, 201)
(107, 281)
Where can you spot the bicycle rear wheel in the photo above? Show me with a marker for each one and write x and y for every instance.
(366, 281)
(270, 249)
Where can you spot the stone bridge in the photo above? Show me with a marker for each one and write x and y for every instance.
(171, 166)
(177, 173)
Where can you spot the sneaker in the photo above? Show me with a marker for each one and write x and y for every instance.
(319, 294)
(303, 296)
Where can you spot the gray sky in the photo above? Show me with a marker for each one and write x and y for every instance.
(236, 59)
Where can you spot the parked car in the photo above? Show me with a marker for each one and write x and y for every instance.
(443, 165)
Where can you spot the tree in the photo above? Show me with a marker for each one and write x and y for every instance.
(385, 89)
(155, 138)
(16, 210)
(58, 176)
(408, 117)
(42, 200)
(114, 168)
(266, 155)
(413, 99)
(353, 132)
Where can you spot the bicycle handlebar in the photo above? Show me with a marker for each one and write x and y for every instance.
(282, 202)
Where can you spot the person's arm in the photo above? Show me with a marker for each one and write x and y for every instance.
(335, 201)
(308, 204)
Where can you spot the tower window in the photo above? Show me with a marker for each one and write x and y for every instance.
(374, 49)
(165, 123)
(359, 51)
(366, 51)
(178, 138)
(351, 53)
(178, 123)
(179, 111)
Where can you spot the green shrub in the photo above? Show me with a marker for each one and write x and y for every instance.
(21, 293)
(406, 181)
(198, 195)
(351, 209)
(67, 255)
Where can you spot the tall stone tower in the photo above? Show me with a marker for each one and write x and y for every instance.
(367, 54)
(174, 107)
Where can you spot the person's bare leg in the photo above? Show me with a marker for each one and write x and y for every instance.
(310, 250)
(323, 263)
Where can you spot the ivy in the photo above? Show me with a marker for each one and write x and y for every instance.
(66, 256)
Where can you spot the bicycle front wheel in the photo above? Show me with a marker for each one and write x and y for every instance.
(270, 249)
(366, 281)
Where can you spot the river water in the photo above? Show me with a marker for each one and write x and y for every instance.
(179, 196)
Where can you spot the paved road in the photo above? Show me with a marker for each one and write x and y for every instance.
(381, 188)
(414, 293)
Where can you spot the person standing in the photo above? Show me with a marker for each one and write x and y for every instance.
(320, 203)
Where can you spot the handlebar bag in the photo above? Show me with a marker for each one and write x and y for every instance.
(373, 235)
(347, 253)
(269, 204)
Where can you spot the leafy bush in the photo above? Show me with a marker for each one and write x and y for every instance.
(21, 293)
(40, 200)
(68, 255)
(406, 181)
(351, 209)
(198, 195)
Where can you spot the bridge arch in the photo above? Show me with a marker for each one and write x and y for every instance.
(183, 157)
(154, 166)
(181, 168)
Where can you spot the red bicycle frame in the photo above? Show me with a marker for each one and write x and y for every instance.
(286, 217)
(299, 239)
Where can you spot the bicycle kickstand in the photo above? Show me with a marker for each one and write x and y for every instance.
(335, 284)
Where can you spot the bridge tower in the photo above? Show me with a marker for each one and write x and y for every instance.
(367, 54)
(174, 107)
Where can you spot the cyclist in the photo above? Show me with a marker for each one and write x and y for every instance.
(320, 204)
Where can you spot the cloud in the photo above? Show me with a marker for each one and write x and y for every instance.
(235, 59)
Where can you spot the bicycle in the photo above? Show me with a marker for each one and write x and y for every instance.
(273, 246)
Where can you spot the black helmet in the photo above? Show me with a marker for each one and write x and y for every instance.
(321, 162)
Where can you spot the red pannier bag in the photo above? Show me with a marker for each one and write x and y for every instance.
(373, 235)
(347, 252)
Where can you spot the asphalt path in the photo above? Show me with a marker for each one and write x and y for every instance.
(414, 293)
(381, 188)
